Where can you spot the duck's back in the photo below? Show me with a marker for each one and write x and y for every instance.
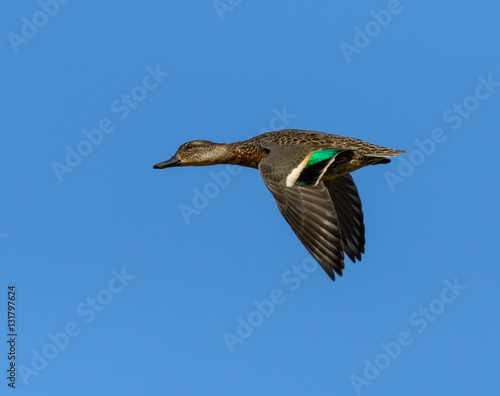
(300, 137)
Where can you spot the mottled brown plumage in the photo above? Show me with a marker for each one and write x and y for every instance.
(308, 174)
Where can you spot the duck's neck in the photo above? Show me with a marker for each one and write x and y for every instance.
(247, 153)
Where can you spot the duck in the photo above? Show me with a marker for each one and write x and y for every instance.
(309, 175)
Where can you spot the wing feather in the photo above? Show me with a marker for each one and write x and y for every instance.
(310, 212)
(347, 203)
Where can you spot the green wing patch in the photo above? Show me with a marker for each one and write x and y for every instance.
(316, 166)
(321, 155)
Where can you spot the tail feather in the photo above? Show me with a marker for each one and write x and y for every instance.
(384, 154)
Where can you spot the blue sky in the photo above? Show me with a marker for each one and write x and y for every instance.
(188, 281)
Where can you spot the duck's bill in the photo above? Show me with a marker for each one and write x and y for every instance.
(174, 161)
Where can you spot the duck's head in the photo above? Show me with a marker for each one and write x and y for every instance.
(196, 153)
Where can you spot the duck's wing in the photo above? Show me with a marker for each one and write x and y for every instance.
(305, 203)
(347, 203)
